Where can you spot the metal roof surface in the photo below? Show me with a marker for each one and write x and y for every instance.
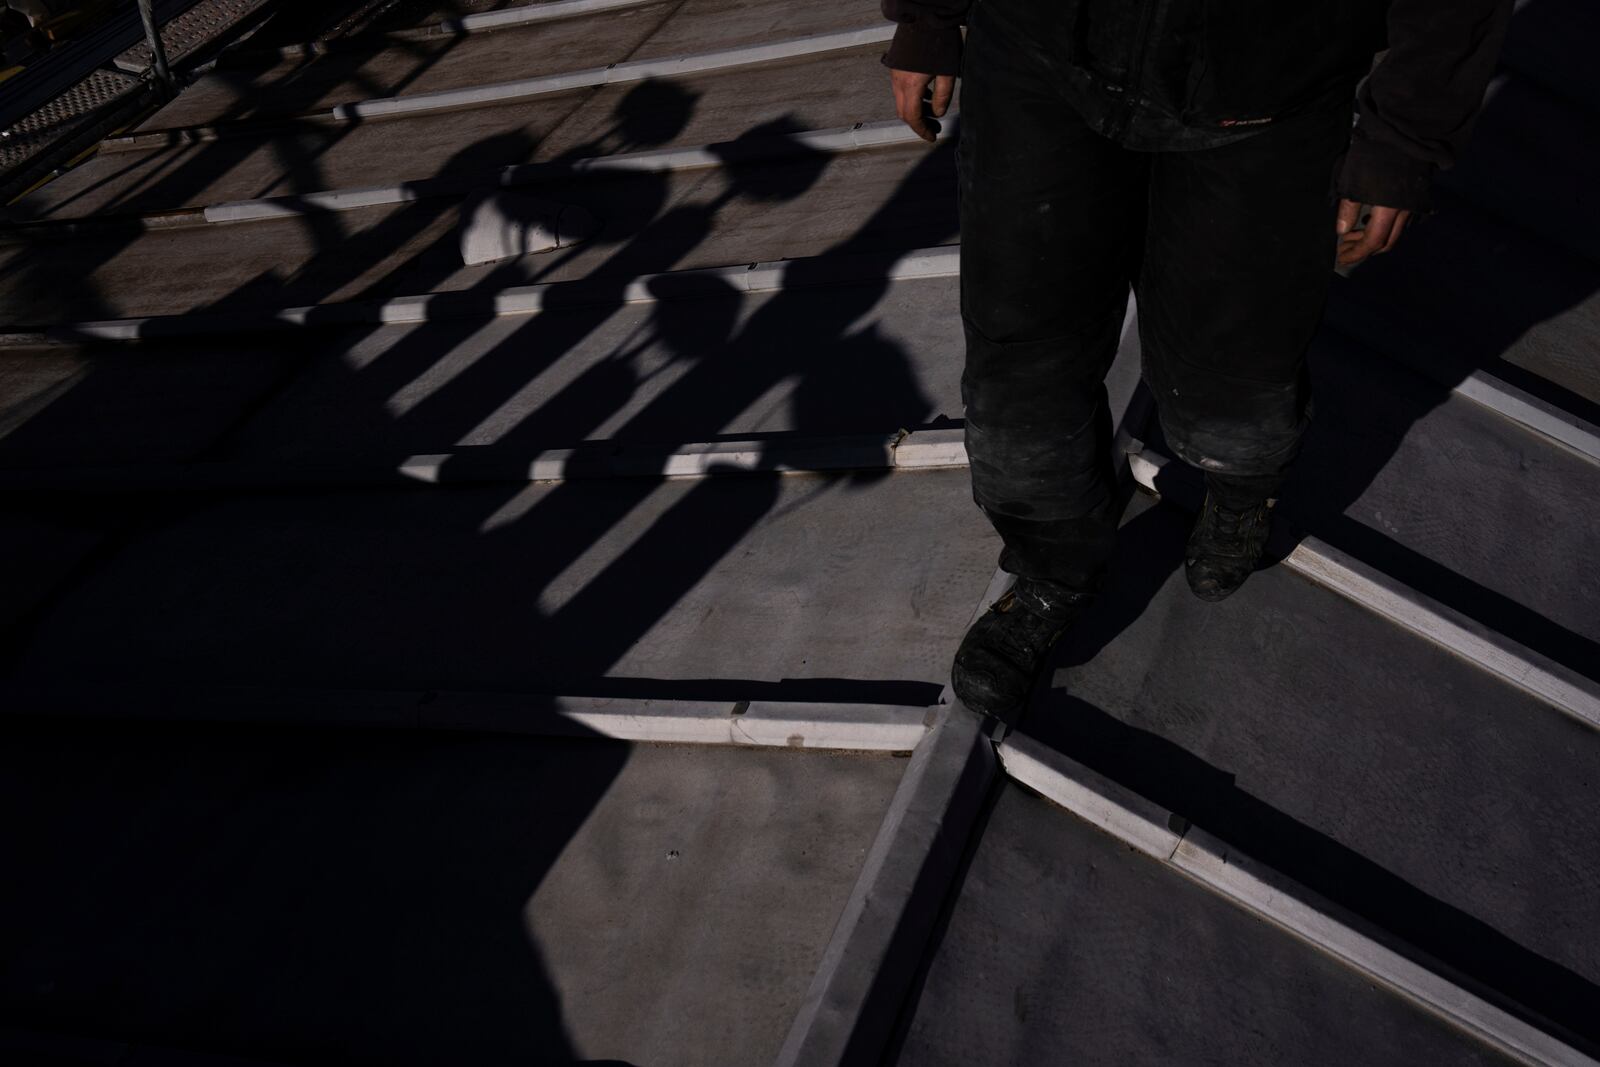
(544, 661)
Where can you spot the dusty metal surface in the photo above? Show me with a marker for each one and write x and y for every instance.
(1442, 807)
(1469, 797)
(1384, 474)
(1066, 946)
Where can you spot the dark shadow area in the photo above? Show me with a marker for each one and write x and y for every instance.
(300, 896)
(172, 701)
(344, 895)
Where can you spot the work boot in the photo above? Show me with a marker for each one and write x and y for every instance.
(1226, 545)
(1002, 654)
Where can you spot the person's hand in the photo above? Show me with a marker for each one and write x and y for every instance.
(1383, 229)
(910, 90)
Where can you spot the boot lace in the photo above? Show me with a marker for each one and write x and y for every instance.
(1234, 529)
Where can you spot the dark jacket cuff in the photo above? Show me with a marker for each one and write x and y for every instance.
(1380, 174)
(925, 50)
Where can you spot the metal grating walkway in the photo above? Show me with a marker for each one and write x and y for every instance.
(187, 33)
(31, 134)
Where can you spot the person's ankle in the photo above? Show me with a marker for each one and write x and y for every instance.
(1240, 492)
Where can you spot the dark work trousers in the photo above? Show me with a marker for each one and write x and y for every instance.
(1228, 249)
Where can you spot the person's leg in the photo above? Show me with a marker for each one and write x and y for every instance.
(1238, 257)
(1051, 231)
(1051, 228)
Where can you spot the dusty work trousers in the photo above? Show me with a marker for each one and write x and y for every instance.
(1229, 251)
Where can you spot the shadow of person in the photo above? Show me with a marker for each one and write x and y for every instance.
(496, 363)
(692, 321)
(415, 249)
(600, 623)
(294, 891)
(197, 375)
(648, 116)
(799, 335)
(384, 875)
(358, 926)
(411, 248)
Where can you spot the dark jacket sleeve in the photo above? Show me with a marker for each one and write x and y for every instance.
(928, 39)
(1418, 105)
